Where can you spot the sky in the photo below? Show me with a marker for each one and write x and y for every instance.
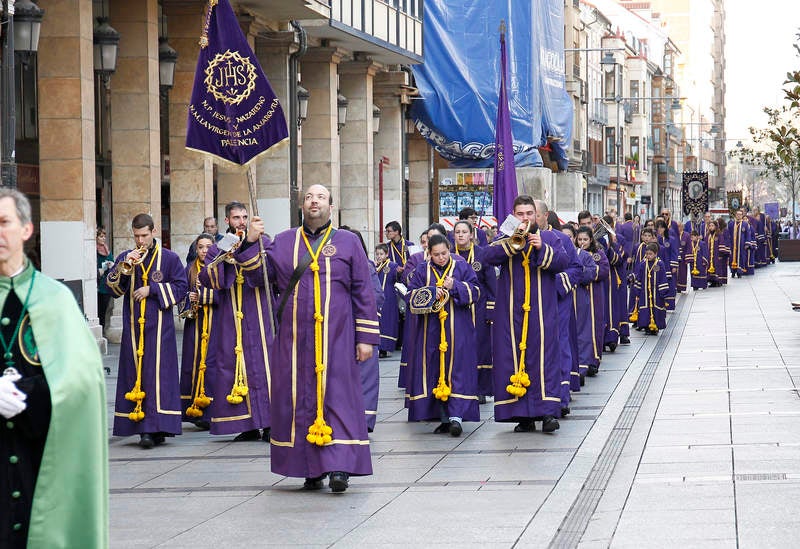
(759, 53)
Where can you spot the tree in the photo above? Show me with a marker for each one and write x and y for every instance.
(777, 150)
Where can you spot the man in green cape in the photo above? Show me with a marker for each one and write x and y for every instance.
(53, 436)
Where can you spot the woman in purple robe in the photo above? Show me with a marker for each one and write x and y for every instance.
(389, 314)
(484, 307)
(152, 281)
(197, 312)
(589, 302)
(697, 261)
(442, 372)
(668, 246)
(525, 332)
(718, 252)
(650, 283)
(408, 321)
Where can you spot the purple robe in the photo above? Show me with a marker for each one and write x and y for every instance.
(350, 317)
(253, 412)
(638, 255)
(569, 278)
(652, 286)
(390, 314)
(589, 306)
(738, 238)
(398, 252)
(668, 250)
(542, 363)
(191, 349)
(697, 257)
(162, 402)
(370, 368)
(760, 254)
(616, 294)
(409, 321)
(482, 317)
(684, 247)
(460, 362)
(718, 251)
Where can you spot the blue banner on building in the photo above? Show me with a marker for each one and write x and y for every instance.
(233, 115)
(459, 81)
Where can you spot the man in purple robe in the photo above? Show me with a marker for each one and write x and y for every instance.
(152, 280)
(329, 325)
(238, 352)
(616, 291)
(525, 337)
(738, 238)
(568, 279)
(684, 247)
(757, 222)
(672, 225)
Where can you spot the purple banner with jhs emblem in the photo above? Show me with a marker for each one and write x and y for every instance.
(233, 115)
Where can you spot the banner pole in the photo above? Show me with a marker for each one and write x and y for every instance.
(251, 185)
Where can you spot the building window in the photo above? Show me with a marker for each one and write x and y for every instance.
(611, 157)
(610, 85)
(635, 94)
(634, 152)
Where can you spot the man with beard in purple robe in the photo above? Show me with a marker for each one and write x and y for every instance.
(328, 325)
(152, 280)
(525, 337)
(237, 357)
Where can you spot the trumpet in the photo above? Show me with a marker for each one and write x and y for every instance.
(519, 237)
(441, 301)
(604, 229)
(126, 266)
(194, 306)
(227, 246)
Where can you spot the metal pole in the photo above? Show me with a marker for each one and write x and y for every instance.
(251, 184)
(619, 152)
(8, 167)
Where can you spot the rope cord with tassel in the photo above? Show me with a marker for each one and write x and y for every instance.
(711, 240)
(442, 390)
(200, 399)
(520, 380)
(319, 432)
(136, 394)
(695, 270)
(239, 389)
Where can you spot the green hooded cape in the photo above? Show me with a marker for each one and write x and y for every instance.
(70, 501)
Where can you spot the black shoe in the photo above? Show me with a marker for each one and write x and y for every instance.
(370, 429)
(253, 434)
(442, 428)
(624, 340)
(159, 438)
(611, 347)
(383, 354)
(592, 370)
(146, 441)
(549, 424)
(583, 380)
(314, 483)
(455, 428)
(265, 435)
(481, 399)
(338, 482)
(526, 426)
(565, 411)
(202, 424)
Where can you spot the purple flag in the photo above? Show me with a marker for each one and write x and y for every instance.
(505, 176)
(233, 114)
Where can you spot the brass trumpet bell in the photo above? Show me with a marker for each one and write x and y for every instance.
(126, 267)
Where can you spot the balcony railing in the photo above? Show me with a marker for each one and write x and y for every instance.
(394, 24)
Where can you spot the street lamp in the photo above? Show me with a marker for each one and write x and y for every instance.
(167, 59)
(341, 111)
(302, 104)
(106, 41)
(24, 41)
(376, 119)
(610, 65)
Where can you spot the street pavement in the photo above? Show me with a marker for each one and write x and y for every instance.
(687, 439)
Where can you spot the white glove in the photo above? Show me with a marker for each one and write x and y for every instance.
(12, 400)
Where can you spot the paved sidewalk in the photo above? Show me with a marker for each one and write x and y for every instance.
(689, 439)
